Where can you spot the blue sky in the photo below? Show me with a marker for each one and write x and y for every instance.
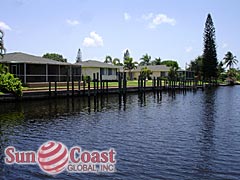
(170, 29)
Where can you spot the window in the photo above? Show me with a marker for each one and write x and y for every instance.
(101, 71)
(14, 69)
(109, 71)
(163, 74)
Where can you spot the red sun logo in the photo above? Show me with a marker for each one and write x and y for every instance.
(52, 157)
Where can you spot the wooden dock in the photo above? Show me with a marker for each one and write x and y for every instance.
(100, 86)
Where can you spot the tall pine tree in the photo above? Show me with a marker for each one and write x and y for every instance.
(79, 56)
(209, 66)
(126, 55)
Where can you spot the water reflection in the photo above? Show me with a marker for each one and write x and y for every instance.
(122, 100)
(16, 113)
(157, 135)
(207, 149)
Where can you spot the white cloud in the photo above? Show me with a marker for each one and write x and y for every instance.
(126, 16)
(160, 19)
(72, 22)
(93, 41)
(4, 26)
(188, 49)
(224, 45)
(157, 19)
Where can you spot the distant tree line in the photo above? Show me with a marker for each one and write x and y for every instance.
(55, 56)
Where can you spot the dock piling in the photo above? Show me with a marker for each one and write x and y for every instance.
(55, 88)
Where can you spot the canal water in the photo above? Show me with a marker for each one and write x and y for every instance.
(193, 135)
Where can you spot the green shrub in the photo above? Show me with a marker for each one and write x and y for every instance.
(10, 84)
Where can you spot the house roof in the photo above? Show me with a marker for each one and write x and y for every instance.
(19, 57)
(151, 67)
(94, 63)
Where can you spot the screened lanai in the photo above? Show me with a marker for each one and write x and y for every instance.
(31, 68)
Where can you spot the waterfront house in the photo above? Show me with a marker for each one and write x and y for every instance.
(30, 68)
(108, 71)
(157, 71)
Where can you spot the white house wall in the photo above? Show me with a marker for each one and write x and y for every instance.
(88, 71)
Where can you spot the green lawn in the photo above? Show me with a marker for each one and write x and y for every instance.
(129, 83)
(110, 84)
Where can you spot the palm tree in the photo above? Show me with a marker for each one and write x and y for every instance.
(157, 61)
(145, 72)
(108, 59)
(145, 60)
(117, 62)
(230, 60)
(196, 66)
(129, 65)
(172, 74)
(2, 49)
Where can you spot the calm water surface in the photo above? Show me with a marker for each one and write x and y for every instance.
(187, 136)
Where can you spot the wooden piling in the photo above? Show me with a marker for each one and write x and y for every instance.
(94, 84)
(101, 85)
(107, 87)
(154, 83)
(72, 85)
(145, 81)
(157, 84)
(173, 84)
(124, 83)
(68, 85)
(89, 84)
(49, 88)
(141, 84)
(138, 83)
(120, 83)
(84, 84)
(79, 86)
(55, 88)
(97, 83)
